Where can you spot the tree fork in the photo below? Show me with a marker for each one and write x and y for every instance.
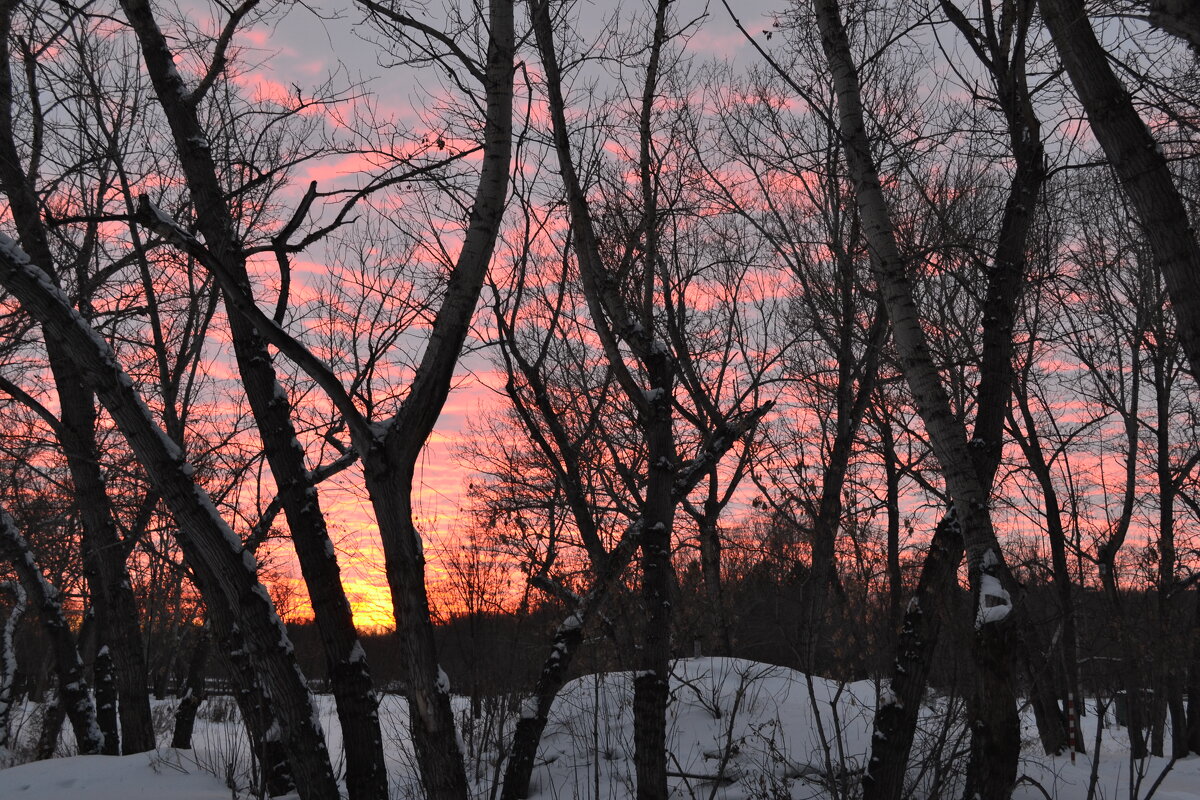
(366, 773)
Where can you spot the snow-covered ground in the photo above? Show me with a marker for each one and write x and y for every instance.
(738, 730)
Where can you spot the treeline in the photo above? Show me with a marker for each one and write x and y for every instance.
(493, 655)
(920, 287)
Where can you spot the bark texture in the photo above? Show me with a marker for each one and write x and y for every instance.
(8, 654)
(1178, 17)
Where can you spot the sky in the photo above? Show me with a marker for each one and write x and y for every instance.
(302, 47)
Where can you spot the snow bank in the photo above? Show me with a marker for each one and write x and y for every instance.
(161, 775)
(744, 728)
(736, 730)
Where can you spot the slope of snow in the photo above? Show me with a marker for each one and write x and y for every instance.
(736, 729)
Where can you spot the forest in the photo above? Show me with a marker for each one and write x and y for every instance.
(841, 353)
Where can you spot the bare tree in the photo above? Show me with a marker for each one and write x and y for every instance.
(389, 449)
(793, 193)
(1136, 157)
(634, 281)
(103, 552)
(967, 463)
(366, 773)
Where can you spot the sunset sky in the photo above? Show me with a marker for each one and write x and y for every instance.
(297, 51)
(301, 49)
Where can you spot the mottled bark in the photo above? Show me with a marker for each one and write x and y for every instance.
(106, 701)
(8, 654)
(1179, 18)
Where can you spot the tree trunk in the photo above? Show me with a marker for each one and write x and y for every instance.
(895, 724)
(721, 637)
(1178, 17)
(1031, 447)
(1130, 667)
(535, 710)
(73, 697)
(389, 460)
(366, 773)
(390, 451)
(272, 762)
(240, 609)
(891, 469)
(1179, 737)
(1138, 161)
(193, 694)
(652, 684)
(106, 700)
(8, 656)
(994, 724)
(822, 594)
(435, 736)
(52, 721)
(1164, 684)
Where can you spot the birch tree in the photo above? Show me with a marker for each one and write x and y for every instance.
(967, 463)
